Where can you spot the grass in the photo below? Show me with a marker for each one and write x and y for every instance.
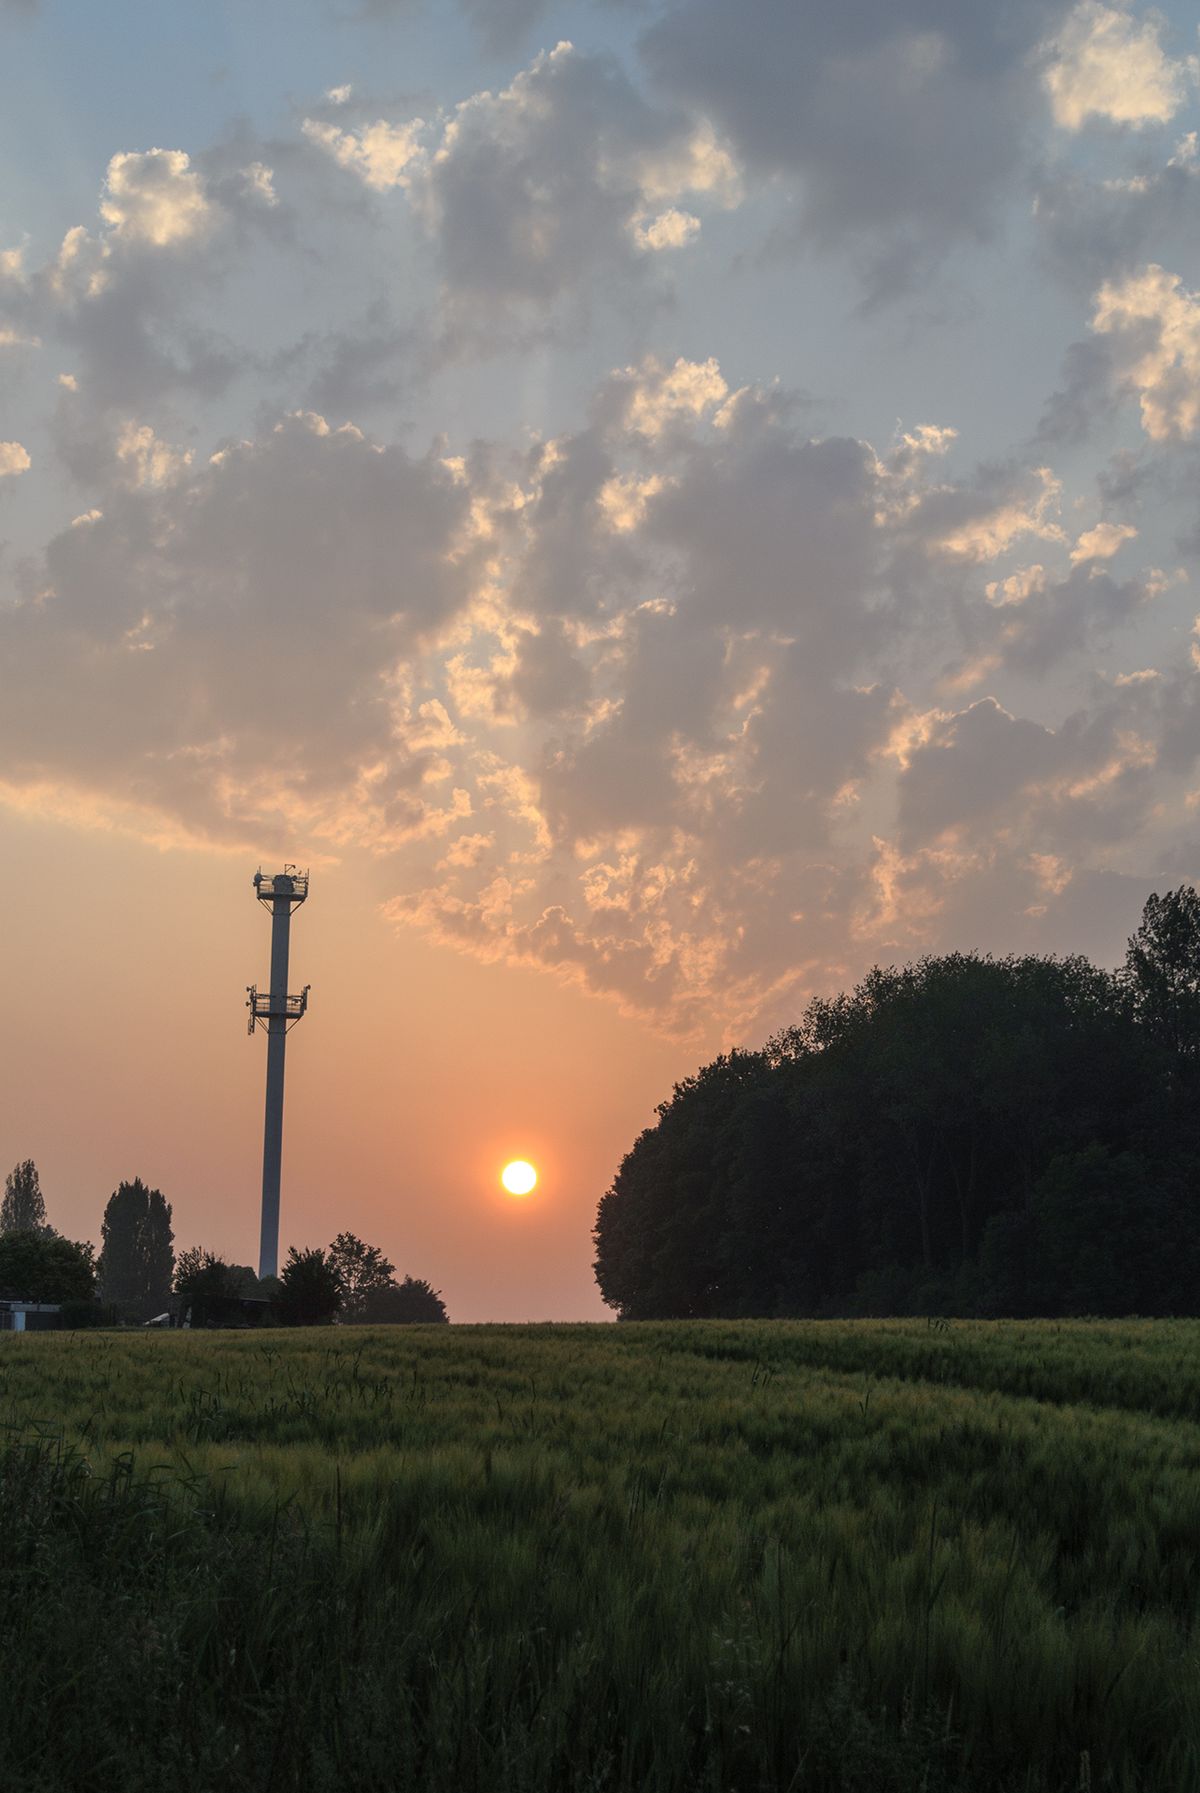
(722, 1557)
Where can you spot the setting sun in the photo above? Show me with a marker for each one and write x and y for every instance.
(519, 1177)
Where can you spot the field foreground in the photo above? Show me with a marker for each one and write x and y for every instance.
(735, 1557)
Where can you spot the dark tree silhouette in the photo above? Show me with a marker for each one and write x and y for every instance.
(310, 1291)
(23, 1208)
(411, 1302)
(36, 1266)
(202, 1272)
(137, 1257)
(210, 1287)
(1163, 969)
(963, 1135)
(361, 1269)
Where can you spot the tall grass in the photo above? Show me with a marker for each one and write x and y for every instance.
(723, 1557)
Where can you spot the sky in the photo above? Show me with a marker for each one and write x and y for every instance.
(659, 506)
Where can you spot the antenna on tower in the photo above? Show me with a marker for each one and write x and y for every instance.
(277, 1013)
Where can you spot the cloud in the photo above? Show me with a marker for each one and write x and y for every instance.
(1154, 326)
(355, 369)
(646, 706)
(145, 460)
(983, 775)
(656, 396)
(502, 24)
(155, 198)
(1111, 66)
(532, 194)
(121, 296)
(1102, 542)
(898, 126)
(13, 459)
(382, 155)
(672, 229)
(993, 525)
(1035, 620)
(1094, 227)
(225, 644)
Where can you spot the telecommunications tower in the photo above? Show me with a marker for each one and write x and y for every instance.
(279, 1013)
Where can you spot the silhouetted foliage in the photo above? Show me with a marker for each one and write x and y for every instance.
(211, 1292)
(204, 1275)
(310, 1290)
(1163, 969)
(408, 1303)
(362, 1271)
(36, 1266)
(137, 1256)
(23, 1209)
(965, 1134)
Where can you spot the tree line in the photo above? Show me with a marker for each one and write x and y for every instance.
(137, 1276)
(968, 1135)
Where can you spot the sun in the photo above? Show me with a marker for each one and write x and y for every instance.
(519, 1178)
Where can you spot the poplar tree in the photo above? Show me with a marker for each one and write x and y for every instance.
(23, 1209)
(137, 1257)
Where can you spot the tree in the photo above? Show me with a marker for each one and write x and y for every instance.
(665, 1245)
(361, 1269)
(199, 1272)
(311, 1290)
(23, 1208)
(1108, 1237)
(36, 1266)
(887, 1154)
(137, 1257)
(212, 1288)
(1162, 966)
(411, 1302)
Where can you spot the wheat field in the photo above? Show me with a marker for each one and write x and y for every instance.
(729, 1557)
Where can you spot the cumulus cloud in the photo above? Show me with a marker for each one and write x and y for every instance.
(1102, 542)
(155, 198)
(531, 194)
(1110, 65)
(627, 705)
(671, 229)
(1094, 227)
(13, 459)
(690, 699)
(898, 125)
(382, 155)
(122, 294)
(995, 520)
(1154, 326)
(224, 645)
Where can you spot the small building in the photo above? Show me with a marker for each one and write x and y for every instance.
(30, 1316)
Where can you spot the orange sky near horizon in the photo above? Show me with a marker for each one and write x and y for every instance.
(416, 1075)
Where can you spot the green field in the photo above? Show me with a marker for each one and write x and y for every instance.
(722, 1556)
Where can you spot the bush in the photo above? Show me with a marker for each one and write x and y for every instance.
(34, 1267)
(310, 1291)
(412, 1302)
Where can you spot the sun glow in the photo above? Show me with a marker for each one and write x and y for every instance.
(519, 1177)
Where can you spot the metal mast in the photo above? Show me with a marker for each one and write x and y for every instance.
(278, 1012)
